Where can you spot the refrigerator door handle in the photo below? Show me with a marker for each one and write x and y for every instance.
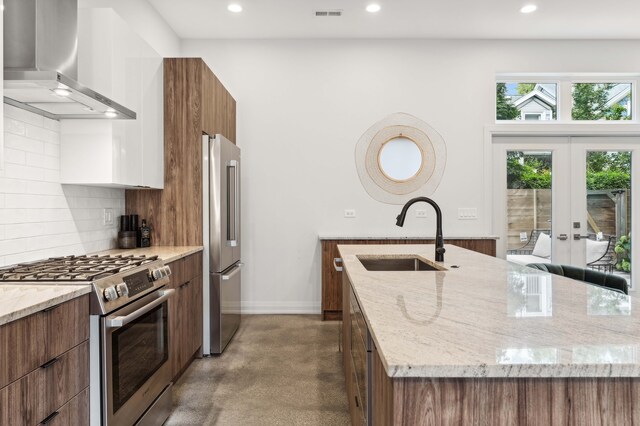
(226, 277)
(232, 233)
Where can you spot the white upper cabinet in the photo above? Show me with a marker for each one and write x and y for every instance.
(114, 60)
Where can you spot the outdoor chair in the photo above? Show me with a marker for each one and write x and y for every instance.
(589, 276)
(528, 247)
(607, 261)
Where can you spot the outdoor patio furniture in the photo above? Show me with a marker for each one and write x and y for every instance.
(528, 247)
(532, 251)
(597, 278)
(607, 261)
(600, 255)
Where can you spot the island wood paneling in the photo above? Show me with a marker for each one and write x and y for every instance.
(489, 401)
(195, 102)
(332, 279)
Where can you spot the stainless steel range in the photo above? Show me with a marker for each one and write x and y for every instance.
(129, 340)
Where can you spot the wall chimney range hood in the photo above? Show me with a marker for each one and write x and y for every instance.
(41, 63)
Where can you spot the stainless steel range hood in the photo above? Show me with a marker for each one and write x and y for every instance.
(41, 63)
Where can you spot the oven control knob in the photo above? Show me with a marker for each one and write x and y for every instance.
(156, 274)
(167, 270)
(122, 289)
(110, 293)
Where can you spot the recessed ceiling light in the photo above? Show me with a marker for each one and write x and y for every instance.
(373, 8)
(111, 113)
(234, 7)
(528, 8)
(60, 91)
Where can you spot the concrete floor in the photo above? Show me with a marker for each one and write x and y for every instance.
(277, 370)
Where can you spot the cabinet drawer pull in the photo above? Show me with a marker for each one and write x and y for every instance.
(50, 363)
(50, 308)
(337, 260)
(357, 402)
(50, 417)
(185, 284)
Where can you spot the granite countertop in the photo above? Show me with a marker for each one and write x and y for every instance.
(332, 237)
(491, 318)
(20, 300)
(166, 253)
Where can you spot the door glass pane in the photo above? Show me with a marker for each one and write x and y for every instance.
(608, 245)
(529, 206)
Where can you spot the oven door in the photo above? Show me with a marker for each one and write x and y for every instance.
(135, 359)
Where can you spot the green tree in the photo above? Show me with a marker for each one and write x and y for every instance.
(504, 109)
(590, 103)
(524, 88)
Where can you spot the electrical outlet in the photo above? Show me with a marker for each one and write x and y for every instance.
(107, 217)
(421, 213)
(350, 213)
(467, 213)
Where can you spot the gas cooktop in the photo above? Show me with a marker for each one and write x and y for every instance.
(116, 280)
(73, 268)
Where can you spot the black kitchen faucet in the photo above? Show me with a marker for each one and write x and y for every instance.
(439, 239)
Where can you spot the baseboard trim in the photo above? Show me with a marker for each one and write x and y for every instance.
(281, 308)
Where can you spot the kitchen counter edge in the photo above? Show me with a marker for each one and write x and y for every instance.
(19, 301)
(168, 254)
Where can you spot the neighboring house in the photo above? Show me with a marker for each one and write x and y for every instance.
(540, 103)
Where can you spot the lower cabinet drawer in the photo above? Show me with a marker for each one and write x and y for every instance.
(38, 395)
(73, 413)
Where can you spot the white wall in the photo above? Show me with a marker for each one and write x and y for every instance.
(39, 217)
(303, 104)
(144, 19)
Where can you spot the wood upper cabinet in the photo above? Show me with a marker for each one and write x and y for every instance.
(332, 301)
(44, 366)
(185, 311)
(195, 102)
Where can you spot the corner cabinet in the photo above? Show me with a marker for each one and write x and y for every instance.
(185, 312)
(115, 61)
(44, 367)
(332, 290)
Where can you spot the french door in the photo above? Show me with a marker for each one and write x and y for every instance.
(568, 200)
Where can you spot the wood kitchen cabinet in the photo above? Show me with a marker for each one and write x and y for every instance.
(185, 312)
(195, 102)
(44, 366)
(332, 300)
(356, 357)
(114, 60)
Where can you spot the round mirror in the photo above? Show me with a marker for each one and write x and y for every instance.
(400, 158)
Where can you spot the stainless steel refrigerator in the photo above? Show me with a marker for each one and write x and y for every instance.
(222, 247)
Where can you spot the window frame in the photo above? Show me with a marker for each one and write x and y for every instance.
(564, 104)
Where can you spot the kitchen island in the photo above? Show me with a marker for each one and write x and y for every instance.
(483, 341)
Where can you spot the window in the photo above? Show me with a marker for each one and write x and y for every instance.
(526, 101)
(565, 98)
(601, 101)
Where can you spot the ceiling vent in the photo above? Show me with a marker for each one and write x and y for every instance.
(334, 12)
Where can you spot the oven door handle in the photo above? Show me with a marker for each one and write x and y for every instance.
(121, 321)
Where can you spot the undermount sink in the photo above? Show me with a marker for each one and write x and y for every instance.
(409, 263)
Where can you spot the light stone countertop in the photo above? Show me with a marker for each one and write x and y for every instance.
(166, 253)
(492, 318)
(338, 237)
(18, 300)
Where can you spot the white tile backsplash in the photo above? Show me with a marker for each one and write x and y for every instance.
(39, 217)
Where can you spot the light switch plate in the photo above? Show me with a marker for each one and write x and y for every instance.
(467, 213)
(350, 213)
(107, 217)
